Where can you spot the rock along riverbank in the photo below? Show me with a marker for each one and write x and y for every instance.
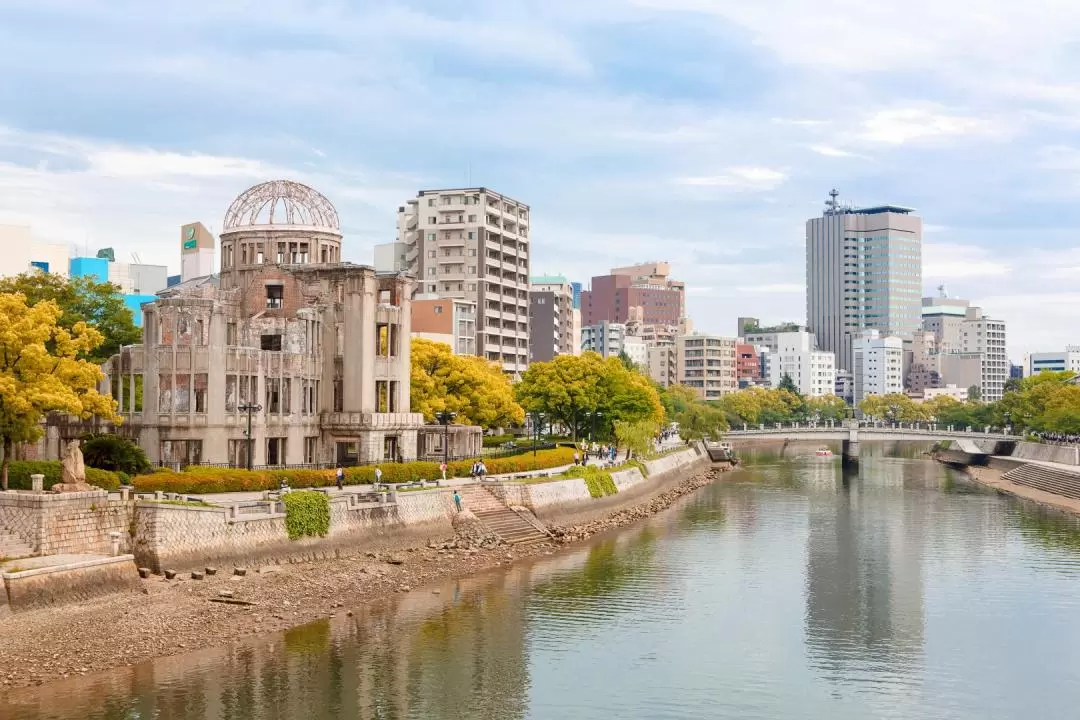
(170, 617)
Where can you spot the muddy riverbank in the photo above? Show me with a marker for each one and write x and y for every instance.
(169, 617)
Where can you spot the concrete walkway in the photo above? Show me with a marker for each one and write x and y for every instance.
(992, 479)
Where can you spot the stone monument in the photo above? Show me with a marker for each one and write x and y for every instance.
(72, 471)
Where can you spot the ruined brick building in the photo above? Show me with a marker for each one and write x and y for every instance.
(316, 349)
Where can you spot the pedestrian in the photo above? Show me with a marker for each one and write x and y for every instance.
(457, 500)
(442, 467)
(577, 458)
(378, 477)
(483, 470)
(614, 451)
(340, 477)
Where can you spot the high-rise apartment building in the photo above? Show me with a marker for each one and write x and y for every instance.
(863, 272)
(643, 293)
(970, 345)
(707, 364)
(473, 244)
(878, 366)
(606, 339)
(663, 364)
(554, 326)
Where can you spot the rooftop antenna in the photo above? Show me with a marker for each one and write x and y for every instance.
(942, 292)
(832, 206)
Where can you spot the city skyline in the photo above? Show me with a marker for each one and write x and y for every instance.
(690, 131)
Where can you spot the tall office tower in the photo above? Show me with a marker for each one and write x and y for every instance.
(970, 345)
(863, 272)
(473, 244)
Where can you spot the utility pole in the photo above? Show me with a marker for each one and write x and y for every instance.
(250, 408)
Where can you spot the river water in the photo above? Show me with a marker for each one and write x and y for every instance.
(783, 591)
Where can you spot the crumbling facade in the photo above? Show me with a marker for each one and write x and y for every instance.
(314, 350)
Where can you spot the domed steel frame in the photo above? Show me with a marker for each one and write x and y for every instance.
(282, 204)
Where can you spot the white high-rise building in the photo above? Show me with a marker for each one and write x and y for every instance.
(707, 364)
(812, 371)
(473, 244)
(863, 272)
(878, 365)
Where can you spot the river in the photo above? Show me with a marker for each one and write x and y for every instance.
(784, 590)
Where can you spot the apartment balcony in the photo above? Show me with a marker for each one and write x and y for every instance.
(411, 222)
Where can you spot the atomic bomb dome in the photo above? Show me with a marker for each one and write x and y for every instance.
(280, 222)
(281, 204)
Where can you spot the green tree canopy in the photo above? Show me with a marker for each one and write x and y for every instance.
(81, 299)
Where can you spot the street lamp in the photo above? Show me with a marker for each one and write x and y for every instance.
(249, 408)
(445, 417)
(538, 421)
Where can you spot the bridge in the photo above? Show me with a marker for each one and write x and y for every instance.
(851, 432)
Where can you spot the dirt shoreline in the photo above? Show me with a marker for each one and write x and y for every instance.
(170, 617)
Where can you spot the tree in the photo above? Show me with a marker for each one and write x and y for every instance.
(624, 358)
(786, 383)
(677, 399)
(477, 390)
(569, 386)
(81, 299)
(974, 393)
(116, 453)
(701, 421)
(829, 407)
(896, 407)
(637, 436)
(42, 369)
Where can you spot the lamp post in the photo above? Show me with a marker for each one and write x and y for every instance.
(538, 421)
(249, 408)
(445, 417)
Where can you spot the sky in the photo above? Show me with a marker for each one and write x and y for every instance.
(701, 132)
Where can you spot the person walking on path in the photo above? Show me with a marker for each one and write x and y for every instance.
(457, 500)
(483, 470)
(378, 477)
(577, 458)
(442, 467)
(340, 478)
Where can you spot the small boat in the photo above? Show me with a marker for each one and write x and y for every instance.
(823, 452)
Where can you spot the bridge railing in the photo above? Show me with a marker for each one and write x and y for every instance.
(920, 428)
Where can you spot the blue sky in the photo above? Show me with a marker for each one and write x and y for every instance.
(703, 132)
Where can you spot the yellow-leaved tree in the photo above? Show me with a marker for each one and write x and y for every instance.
(40, 371)
(477, 390)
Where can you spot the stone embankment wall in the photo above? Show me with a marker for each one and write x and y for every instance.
(72, 582)
(569, 500)
(51, 524)
(181, 536)
(1067, 455)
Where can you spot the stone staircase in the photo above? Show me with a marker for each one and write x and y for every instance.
(499, 519)
(1059, 482)
(12, 546)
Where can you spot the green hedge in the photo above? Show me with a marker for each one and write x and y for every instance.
(307, 513)
(19, 472)
(215, 480)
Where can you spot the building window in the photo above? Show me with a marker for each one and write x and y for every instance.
(200, 392)
(472, 252)
(271, 342)
(230, 333)
(311, 449)
(438, 309)
(275, 297)
(472, 269)
(275, 451)
(431, 271)
(431, 253)
(431, 288)
(431, 202)
(432, 219)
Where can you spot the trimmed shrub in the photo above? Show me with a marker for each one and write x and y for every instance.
(214, 480)
(19, 472)
(307, 513)
(114, 452)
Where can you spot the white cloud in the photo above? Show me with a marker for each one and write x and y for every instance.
(948, 261)
(739, 178)
(773, 288)
(830, 151)
(901, 126)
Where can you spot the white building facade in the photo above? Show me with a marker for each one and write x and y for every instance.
(23, 253)
(878, 365)
(1054, 361)
(812, 371)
